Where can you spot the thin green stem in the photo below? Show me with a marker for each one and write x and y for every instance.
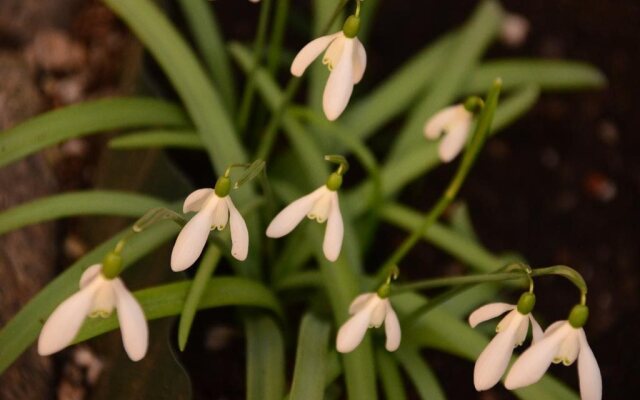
(277, 35)
(258, 49)
(477, 140)
(271, 132)
(456, 280)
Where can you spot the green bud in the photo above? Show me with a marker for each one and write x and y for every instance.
(351, 27)
(526, 303)
(579, 315)
(473, 104)
(223, 186)
(112, 265)
(384, 291)
(334, 182)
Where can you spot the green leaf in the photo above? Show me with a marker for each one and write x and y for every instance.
(553, 75)
(469, 46)
(24, 327)
(84, 119)
(198, 286)
(265, 358)
(187, 75)
(390, 376)
(420, 374)
(95, 202)
(158, 138)
(209, 41)
(311, 358)
(167, 300)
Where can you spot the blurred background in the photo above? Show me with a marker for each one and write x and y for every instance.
(561, 186)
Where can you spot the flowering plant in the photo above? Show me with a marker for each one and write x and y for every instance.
(445, 92)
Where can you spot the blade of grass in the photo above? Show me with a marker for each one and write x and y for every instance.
(555, 75)
(469, 46)
(420, 373)
(84, 119)
(187, 139)
(168, 300)
(206, 34)
(265, 358)
(195, 293)
(94, 202)
(311, 358)
(390, 376)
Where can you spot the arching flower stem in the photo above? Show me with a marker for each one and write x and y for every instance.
(478, 139)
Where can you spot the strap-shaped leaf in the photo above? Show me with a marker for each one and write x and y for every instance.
(265, 358)
(420, 373)
(167, 300)
(94, 202)
(84, 119)
(187, 139)
(311, 358)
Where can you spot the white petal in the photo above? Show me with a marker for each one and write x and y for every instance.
(104, 300)
(351, 332)
(569, 348)
(553, 327)
(453, 141)
(392, 329)
(588, 371)
(535, 361)
(488, 311)
(334, 232)
(536, 330)
(523, 328)
(494, 359)
(379, 312)
(334, 52)
(359, 302)
(290, 216)
(89, 274)
(220, 214)
(320, 210)
(133, 325)
(191, 240)
(239, 233)
(359, 61)
(437, 124)
(65, 321)
(196, 200)
(340, 84)
(309, 53)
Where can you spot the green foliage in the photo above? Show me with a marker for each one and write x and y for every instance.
(299, 275)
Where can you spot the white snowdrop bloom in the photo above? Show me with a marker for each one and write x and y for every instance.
(321, 205)
(514, 30)
(345, 57)
(563, 342)
(455, 122)
(511, 332)
(369, 310)
(213, 212)
(98, 296)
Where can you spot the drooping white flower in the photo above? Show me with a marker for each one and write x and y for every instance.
(369, 310)
(321, 205)
(562, 343)
(213, 212)
(345, 57)
(455, 123)
(98, 296)
(511, 332)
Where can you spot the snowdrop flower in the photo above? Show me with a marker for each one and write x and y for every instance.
(100, 292)
(345, 57)
(214, 208)
(563, 341)
(320, 205)
(511, 332)
(455, 122)
(369, 310)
